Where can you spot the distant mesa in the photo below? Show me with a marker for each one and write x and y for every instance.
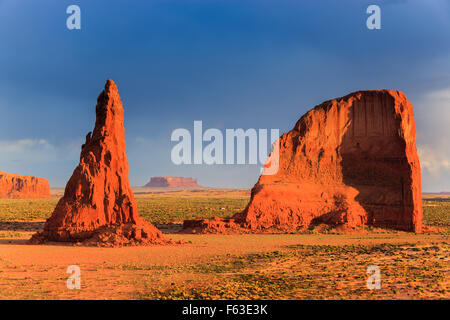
(98, 206)
(172, 182)
(14, 186)
(441, 192)
(347, 163)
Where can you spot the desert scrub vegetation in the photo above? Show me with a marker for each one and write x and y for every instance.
(170, 207)
(156, 209)
(408, 271)
(9, 234)
(26, 209)
(215, 265)
(166, 210)
(436, 212)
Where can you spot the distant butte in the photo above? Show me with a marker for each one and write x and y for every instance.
(172, 182)
(14, 186)
(347, 163)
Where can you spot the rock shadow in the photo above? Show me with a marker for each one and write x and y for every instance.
(375, 163)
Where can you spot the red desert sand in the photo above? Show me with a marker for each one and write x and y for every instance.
(98, 206)
(13, 186)
(349, 162)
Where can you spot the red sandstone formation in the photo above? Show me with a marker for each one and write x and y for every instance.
(98, 206)
(13, 186)
(348, 162)
(172, 182)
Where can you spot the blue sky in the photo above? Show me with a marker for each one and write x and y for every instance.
(231, 64)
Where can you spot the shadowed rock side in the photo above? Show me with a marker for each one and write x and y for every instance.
(98, 205)
(13, 186)
(172, 182)
(348, 162)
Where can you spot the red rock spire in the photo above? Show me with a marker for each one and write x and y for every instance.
(98, 202)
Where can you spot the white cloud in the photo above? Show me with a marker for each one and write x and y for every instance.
(39, 157)
(18, 146)
(29, 151)
(436, 162)
(432, 115)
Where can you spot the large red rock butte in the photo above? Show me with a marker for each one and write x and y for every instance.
(172, 182)
(98, 206)
(13, 186)
(349, 162)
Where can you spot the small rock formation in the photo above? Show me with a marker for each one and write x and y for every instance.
(13, 186)
(98, 205)
(172, 182)
(348, 162)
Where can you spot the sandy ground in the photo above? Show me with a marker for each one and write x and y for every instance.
(39, 271)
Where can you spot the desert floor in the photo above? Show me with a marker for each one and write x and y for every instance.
(260, 266)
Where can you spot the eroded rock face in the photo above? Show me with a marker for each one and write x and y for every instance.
(13, 186)
(98, 205)
(348, 162)
(172, 182)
